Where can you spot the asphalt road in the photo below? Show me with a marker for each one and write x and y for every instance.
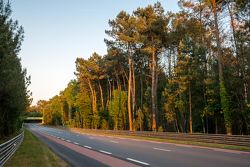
(134, 151)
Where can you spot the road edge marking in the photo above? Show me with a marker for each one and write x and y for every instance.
(134, 160)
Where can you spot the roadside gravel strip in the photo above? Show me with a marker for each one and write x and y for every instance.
(77, 155)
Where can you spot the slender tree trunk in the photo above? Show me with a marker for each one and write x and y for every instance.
(176, 125)
(101, 93)
(141, 80)
(63, 115)
(216, 125)
(207, 124)
(133, 88)
(93, 95)
(236, 50)
(156, 99)
(233, 29)
(69, 112)
(169, 64)
(153, 89)
(217, 35)
(245, 91)
(118, 82)
(110, 90)
(95, 111)
(190, 108)
(203, 125)
(129, 91)
(124, 82)
(221, 81)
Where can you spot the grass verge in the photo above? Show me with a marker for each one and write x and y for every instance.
(34, 153)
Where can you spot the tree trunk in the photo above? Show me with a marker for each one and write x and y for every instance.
(94, 110)
(216, 125)
(153, 89)
(207, 124)
(176, 125)
(223, 97)
(101, 93)
(233, 29)
(133, 88)
(124, 82)
(190, 109)
(69, 112)
(92, 95)
(141, 80)
(169, 64)
(129, 92)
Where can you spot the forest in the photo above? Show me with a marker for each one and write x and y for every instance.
(186, 72)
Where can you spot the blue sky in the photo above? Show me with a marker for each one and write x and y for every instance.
(59, 31)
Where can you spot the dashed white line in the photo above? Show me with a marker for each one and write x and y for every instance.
(87, 147)
(58, 137)
(76, 143)
(155, 142)
(106, 152)
(114, 141)
(161, 149)
(68, 141)
(134, 160)
(62, 139)
(135, 139)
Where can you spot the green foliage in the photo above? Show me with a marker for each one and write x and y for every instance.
(13, 81)
(163, 69)
(117, 108)
(225, 106)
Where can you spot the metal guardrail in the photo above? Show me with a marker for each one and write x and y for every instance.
(236, 140)
(8, 148)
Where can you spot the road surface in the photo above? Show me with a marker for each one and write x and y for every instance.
(97, 150)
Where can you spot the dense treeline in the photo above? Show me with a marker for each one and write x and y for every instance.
(13, 81)
(185, 72)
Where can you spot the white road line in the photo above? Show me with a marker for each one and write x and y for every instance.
(58, 137)
(68, 141)
(62, 139)
(134, 160)
(161, 149)
(114, 141)
(76, 143)
(155, 142)
(87, 147)
(106, 152)
(135, 139)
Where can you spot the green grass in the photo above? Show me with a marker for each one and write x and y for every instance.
(34, 153)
